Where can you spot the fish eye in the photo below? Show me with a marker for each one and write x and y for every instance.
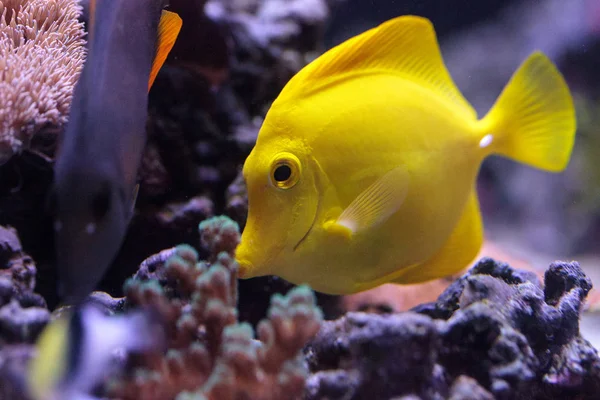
(285, 171)
(101, 203)
(282, 173)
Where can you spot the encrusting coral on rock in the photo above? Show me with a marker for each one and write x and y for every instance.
(23, 313)
(211, 355)
(41, 55)
(495, 333)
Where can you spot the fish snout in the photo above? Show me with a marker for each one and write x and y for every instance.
(243, 254)
(244, 268)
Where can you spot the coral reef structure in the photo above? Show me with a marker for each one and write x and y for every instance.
(495, 333)
(211, 355)
(23, 314)
(41, 55)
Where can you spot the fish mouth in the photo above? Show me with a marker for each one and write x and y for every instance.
(244, 267)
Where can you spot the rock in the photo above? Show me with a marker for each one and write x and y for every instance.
(13, 366)
(21, 325)
(465, 388)
(23, 313)
(496, 333)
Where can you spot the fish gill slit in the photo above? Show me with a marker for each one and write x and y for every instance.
(312, 225)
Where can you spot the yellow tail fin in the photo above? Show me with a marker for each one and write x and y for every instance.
(533, 120)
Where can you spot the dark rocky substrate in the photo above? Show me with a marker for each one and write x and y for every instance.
(495, 333)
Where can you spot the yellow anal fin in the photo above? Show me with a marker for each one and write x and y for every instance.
(168, 30)
(374, 205)
(405, 47)
(460, 249)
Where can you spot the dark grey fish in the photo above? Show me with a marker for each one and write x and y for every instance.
(100, 152)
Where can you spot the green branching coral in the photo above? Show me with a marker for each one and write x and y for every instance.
(219, 234)
(210, 354)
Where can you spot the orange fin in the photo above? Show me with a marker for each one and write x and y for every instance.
(168, 30)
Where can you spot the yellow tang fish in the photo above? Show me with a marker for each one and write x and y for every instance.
(364, 170)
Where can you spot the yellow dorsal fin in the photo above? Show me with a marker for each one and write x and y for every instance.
(405, 47)
(168, 29)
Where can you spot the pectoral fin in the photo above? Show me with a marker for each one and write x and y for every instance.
(374, 205)
(459, 250)
(168, 29)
